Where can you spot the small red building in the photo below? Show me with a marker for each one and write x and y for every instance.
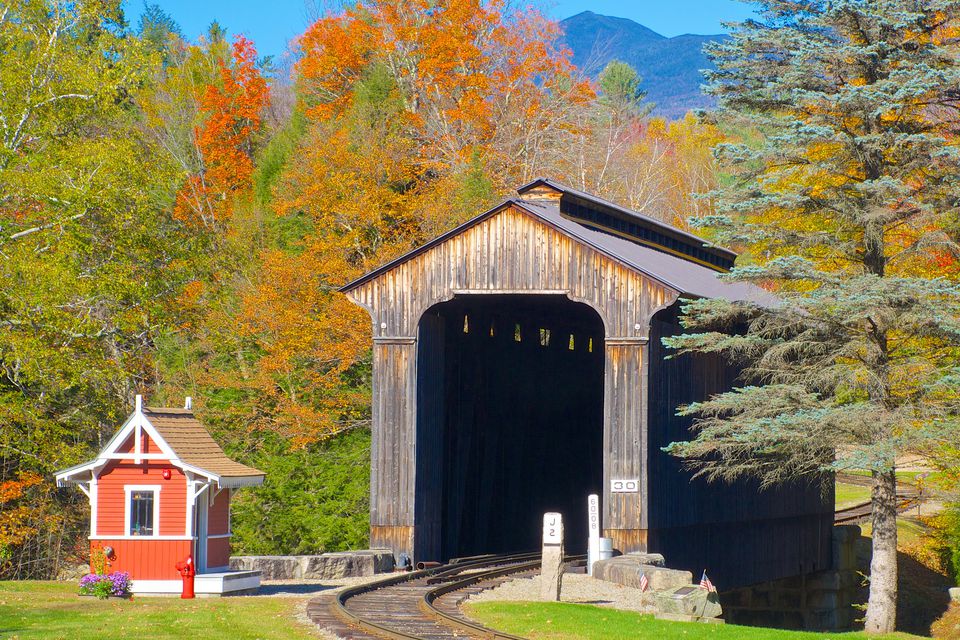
(159, 491)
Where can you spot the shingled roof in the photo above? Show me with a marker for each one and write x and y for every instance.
(193, 444)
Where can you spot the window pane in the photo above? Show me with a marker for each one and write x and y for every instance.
(141, 513)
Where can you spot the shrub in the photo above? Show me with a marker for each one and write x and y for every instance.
(948, 627)
(943, 540)
(117, 583)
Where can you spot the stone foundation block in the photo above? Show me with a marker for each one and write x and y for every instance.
(688, 600)
(824, 580)
(346, 564)
(824, 600)
(328, 566)
(627, 569)
(675, 617)
(844, 541)
(270, 567)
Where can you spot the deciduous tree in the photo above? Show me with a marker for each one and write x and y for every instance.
(230, 115)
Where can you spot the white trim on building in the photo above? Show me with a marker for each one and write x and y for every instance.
(128, 489)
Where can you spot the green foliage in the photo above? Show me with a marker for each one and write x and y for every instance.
(88, 254)
(315, 499)
(620, 86)
(377, 98)
(275, 155)
(157, 28)
(858, 356)
(944, 539)
(475, 189)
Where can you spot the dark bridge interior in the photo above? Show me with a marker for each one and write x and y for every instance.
(510, 422)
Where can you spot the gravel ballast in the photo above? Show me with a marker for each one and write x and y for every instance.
(577, 588)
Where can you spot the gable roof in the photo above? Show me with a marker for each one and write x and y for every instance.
(676, 271)
(194, 445)
(183, 441)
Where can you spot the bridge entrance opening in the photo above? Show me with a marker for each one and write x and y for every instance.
(510, 422)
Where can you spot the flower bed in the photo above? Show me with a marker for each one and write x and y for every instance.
(116, 584)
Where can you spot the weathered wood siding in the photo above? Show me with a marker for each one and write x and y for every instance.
(512, 252)
(738, 532)
(509, 252)
(393, 454)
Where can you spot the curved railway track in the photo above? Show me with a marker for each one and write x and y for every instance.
(420, 605)
(908, 495)
(424, 604)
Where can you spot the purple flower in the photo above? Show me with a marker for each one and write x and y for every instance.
(117, 583)
(121, 583)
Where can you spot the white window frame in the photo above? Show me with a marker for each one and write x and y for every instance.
(127, 491)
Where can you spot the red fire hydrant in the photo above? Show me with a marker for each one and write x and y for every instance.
(187, 573)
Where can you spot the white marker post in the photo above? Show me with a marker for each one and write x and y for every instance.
(593, 527)
(551, 566)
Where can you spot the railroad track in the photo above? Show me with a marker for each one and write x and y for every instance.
(420, 605)
(907, 495)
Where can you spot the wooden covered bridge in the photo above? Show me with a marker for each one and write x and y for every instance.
(518, 367)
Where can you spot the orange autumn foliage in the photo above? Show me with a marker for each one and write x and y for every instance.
(231, 112)
(469, 74)
(418, 114)
(16, 519)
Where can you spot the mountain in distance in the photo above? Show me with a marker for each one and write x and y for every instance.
(670, 68)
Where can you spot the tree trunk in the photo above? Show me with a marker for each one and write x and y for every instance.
(882, 605)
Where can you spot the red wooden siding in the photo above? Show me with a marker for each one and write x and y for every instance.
(218, 517)
(218, 552)
(111, 499)
(146, 559)
(148, 445)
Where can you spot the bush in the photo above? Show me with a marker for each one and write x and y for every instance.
(943, 541)
(948, 627)
(103, 586)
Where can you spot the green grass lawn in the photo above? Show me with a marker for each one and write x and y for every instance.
(909, 530)
(54, 611)
(851, 494)
(563, 621)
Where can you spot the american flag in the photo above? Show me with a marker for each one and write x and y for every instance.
(644, 582)
(705, 582)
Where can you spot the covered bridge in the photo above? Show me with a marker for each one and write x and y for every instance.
(518, 367)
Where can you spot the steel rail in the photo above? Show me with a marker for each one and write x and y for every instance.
(859, 512)
(339, 603)
(427, 606)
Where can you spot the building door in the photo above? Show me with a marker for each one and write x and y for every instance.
(200, 527)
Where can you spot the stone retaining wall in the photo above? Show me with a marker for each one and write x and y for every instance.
(328, 566)
(821, 601)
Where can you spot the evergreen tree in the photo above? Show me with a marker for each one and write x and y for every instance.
(847, 208)
(156, 27)
(620, 87)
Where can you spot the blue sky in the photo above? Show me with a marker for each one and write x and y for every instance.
(271, 23)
